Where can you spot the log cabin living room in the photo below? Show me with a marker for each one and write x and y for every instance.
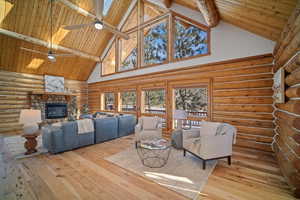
(111, 99)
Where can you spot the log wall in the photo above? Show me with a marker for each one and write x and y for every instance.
(241, 94)
(14, 88)
(287, 115)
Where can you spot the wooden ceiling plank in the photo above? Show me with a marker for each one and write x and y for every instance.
(209, 12)
(46, 44)
(87, 14)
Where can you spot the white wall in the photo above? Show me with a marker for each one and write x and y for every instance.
(227, 42)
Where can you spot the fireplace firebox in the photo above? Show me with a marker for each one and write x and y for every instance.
(56, 110)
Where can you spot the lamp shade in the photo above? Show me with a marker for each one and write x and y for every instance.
(30, 116)
(179, 114)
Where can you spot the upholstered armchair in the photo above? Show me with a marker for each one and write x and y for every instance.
(148, 128)
(212, 141)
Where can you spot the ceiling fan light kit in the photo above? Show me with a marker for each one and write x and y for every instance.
(98, 25)
(51, 56)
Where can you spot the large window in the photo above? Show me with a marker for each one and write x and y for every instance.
(109, 62)
(189, 40)
(157, 36)
(108, 101)
(153, 101)
(155, 43)
(194, 100)
(106, 6)
(128, 52)
(127, 101)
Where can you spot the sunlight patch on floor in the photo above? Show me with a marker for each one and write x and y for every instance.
(167, 176)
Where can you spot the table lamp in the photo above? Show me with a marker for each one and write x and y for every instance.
(179, 115)
(30, 119)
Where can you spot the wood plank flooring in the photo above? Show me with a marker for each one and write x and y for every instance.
(85, 174)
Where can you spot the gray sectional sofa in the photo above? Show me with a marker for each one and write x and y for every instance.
(66, 137)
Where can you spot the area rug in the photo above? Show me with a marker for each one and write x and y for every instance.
(16, 149)
(181, 174)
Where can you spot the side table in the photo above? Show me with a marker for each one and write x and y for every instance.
(30, 143)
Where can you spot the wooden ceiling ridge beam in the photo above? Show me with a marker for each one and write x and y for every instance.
(47, 44)
(108, 26)
(209, 11)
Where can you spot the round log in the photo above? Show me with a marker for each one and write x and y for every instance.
(293, 92)
(294, 64)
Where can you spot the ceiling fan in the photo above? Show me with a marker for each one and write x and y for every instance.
(50, 55)
(98, 22)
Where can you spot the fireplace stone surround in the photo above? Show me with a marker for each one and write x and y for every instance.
(38, 101)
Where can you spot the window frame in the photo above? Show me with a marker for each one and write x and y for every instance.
(149, 24)
(102, 101)
(162, 115)
(119, 101)
(116, 59)
(170, 18)
(193, 23)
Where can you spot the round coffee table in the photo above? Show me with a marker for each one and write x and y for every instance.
(154, 153)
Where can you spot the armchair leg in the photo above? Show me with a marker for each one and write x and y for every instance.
(229, 160)
(204, 165)
(136, 144)
(184, 152)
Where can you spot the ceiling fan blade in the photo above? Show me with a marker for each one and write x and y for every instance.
(78, 26)
(115, 31)
(64, 55)
(33, 51)
(99, 8)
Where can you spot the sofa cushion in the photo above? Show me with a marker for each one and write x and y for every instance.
(126, 124)
(70, 135)
(105, 129)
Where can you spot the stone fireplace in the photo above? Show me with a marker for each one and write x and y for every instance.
(54, 107)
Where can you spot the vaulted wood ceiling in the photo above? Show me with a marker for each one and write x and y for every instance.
(262, 17)
(31, 18)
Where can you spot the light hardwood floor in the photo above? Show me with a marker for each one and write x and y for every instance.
(84, 174)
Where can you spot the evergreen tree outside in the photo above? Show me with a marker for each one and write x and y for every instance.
(130, 62)
(155, 44)
(192, 100)
(189, 41)
(154, 101)
(128, 101)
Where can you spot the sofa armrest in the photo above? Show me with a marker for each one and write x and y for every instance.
(53, 139)
(215, 146)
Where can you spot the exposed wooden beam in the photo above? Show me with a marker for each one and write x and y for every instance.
(167, 3)
(209, 12)
(108, 26)
(47, 44)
